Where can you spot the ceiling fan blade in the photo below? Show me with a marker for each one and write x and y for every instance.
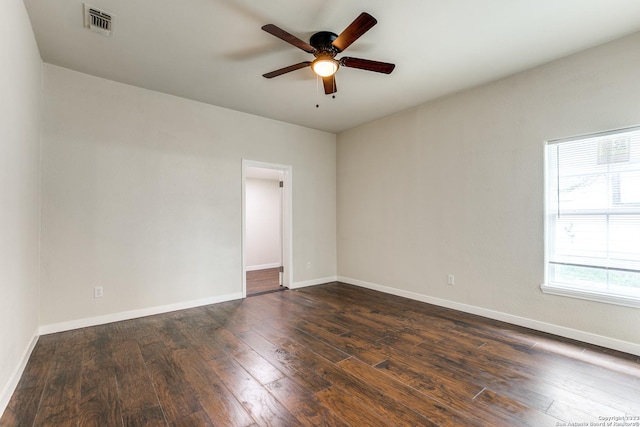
(361, 25)
(289, 38)
(288, 69)
(367, 64)
(330, 84)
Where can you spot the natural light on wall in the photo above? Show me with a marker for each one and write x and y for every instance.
(593, 217)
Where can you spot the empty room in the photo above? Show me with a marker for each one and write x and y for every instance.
(240, 213)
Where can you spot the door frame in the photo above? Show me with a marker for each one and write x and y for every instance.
(286, 176)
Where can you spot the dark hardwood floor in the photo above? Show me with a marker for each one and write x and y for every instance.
(332, 355)
(263, 281)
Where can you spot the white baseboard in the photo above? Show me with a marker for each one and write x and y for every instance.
(10, 387)
(133, 314)
(313, 282)
(262, 266)
(612, 343)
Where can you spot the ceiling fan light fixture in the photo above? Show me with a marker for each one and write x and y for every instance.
(325, 66)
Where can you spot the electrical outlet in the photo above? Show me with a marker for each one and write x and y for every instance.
(451, 280)
(97, 292)
(308, 265)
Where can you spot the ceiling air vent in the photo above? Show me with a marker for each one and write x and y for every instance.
(98, 20)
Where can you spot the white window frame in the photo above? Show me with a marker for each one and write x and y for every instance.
(571, 290)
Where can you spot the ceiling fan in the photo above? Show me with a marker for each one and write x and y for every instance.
(325, 45)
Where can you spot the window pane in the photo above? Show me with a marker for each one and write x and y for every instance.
(582, 277)
(578, 237)
(583, 192)
(598, 280)
(625, 282)
(624, 241)
(630, 188)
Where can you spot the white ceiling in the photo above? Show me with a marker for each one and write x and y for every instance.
(214, 51)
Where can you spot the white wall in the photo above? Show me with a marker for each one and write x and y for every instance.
(20, 95)
(455, 186)
(263, 224)
(142, 195)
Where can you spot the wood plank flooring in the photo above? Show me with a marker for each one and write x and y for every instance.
(329, 355)
(263, 281)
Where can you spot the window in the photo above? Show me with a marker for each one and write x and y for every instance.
(593, 217)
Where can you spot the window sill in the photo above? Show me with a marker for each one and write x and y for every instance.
(564, 291)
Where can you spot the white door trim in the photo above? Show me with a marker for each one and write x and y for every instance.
(286, 173)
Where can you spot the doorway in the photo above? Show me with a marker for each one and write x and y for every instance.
(266, 227)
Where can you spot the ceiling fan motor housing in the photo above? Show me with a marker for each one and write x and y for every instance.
(322, 42)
